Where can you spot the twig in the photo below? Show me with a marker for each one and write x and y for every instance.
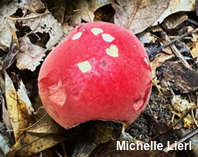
(180, 56)
(192, 21)
(25, 129)
(177, 53)
(33, 29)
(174, 40)
(28, 18)
(181, 140)
(63, 149)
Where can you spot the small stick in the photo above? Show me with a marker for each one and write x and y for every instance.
(174, 40)
(28, 18)
(63, 149)
(181, 140)
(180, 56)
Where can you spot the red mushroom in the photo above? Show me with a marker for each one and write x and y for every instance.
(100, 71)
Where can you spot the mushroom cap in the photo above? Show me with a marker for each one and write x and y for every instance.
(100, 71)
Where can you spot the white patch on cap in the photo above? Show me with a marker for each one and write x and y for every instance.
(84, 66)
(146, 61)
(112, 51)
(57, 93)
(77, 36)
(96, 31)
(107, 37)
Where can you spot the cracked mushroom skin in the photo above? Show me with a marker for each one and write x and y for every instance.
(100, 71)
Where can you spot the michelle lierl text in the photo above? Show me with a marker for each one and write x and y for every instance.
(125, 145)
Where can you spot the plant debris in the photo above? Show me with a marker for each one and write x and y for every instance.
(30, 29)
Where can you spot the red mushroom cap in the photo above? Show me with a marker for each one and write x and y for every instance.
(100, 71)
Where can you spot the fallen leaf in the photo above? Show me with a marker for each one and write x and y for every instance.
(57, 8)
(105, 13)
(84, 138)
(45, 125)
(175, 19)
(176, 6)
(80, 11)
(137, 15)
(45, 24)
(188, 120)
(20, 112)
(158, 61)
(33, 5)
(32, 143)
(193, 46)
(11, 100)
(178, 77)
(181, 104)
(6, 10)
(12, 52)
(146, 37)
(30, 56)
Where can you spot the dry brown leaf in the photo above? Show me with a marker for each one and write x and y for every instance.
(84, 138)
(188, 120)
(22, 95)
(31, 54)
(12, 52)
(77, 11)
(40, 25)
(193, 46)
(158, 61)
(44, 23)
(104, 132)
(6, 10)
(57, 8)
(146, 37)
(181, 104)
(30, 138)
(96, 4)
(45, 125)
(31, 143)
(33, 5)
(80, 11)
(176, 19)
(179, 78)
(139, 13)
(11, 100)
(176, 6)
(20, 112)
(171, 21)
